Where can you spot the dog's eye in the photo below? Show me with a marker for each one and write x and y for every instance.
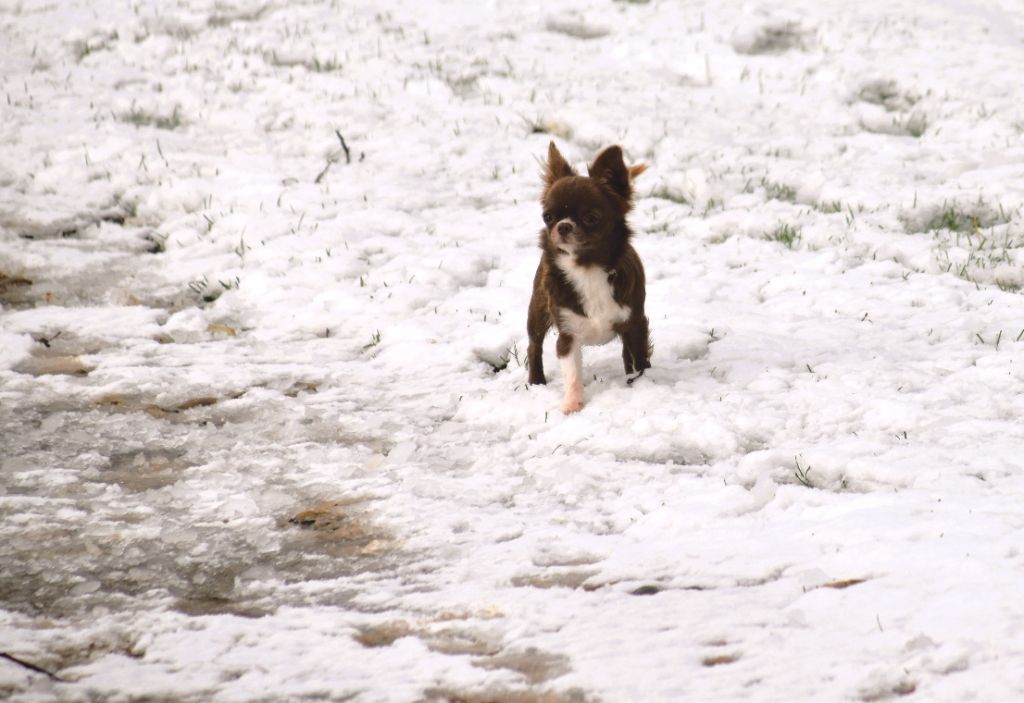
(548, 218)
(592, 218)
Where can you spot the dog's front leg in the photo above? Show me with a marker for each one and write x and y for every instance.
(570, 354)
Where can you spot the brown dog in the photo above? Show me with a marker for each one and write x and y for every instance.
(590, 281)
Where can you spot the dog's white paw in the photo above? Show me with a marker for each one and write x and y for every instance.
(572, 405)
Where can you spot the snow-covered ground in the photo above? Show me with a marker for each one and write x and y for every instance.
(253, 442)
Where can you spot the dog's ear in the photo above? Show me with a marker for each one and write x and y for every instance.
(556, 168)
(610, 170)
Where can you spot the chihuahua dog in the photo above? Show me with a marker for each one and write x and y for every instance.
(590, 281)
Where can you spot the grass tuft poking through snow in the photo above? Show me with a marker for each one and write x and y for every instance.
(144, 118)
(785, 234)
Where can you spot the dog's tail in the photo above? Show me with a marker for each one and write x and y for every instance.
(635, 170)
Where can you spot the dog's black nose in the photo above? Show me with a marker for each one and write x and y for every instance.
(564, 228)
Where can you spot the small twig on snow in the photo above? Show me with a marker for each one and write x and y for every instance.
(160, 151)
(348, 154)
(331, 160)
(327, 167)
(30, 666)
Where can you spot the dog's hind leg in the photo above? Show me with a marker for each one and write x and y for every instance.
(636, 345)
(538, 323)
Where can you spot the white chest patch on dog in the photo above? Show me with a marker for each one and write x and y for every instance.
(602, 313)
